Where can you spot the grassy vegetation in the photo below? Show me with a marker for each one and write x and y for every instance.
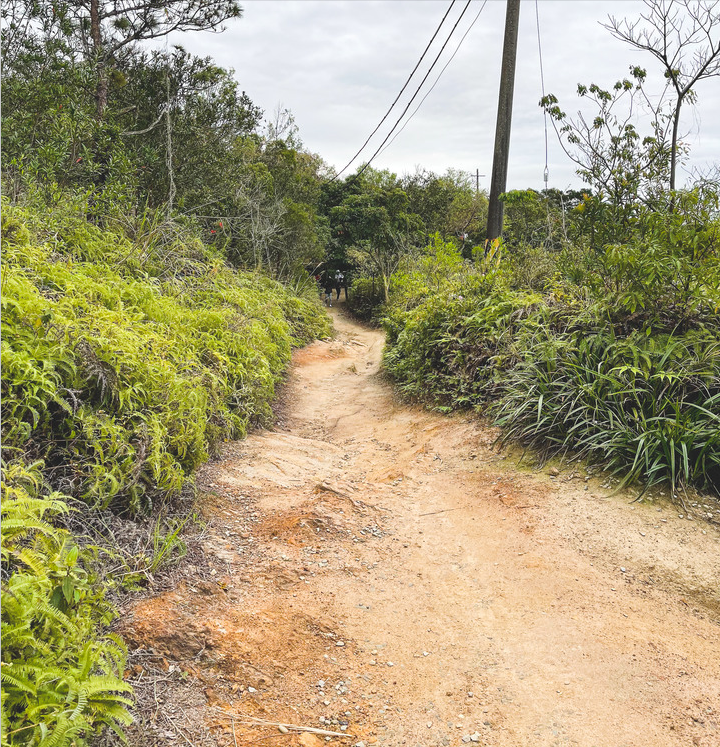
(617, 360)
(61, 671)
(123, 379)
(129, 353)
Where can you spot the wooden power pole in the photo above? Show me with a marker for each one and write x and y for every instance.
(504, 120)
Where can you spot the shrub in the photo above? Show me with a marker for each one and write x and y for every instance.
(365, 298)
(123, 383)
(61, 672)
(450, 348)
(618, 361)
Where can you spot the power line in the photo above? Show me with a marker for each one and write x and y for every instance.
(542, 86)
(546, 173)
(402, 90)
(436, 80)
(417, 91)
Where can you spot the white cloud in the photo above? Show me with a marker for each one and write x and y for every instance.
(338, 64)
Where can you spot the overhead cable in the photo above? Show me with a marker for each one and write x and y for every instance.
(422, 101)
(417, 91)
(402, 90)
(542, 86)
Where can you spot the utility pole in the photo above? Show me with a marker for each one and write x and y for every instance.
(477, 179)
(504, 120)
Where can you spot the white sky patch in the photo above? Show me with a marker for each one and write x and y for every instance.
(339, 64)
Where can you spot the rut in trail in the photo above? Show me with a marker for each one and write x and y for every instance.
(377, 571)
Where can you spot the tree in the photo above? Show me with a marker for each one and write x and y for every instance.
(626, 169)
(686, 44)
(210, 117)
(376, 226)
(449, 204)
(101, 31)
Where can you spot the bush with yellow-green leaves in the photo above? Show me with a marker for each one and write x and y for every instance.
(128, 356)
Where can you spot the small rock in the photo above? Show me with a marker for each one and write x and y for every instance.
(554, 471)
(283, 729)
(340, 643)
(475, 737)
(252, 690)
(466, 739)
(391, 664)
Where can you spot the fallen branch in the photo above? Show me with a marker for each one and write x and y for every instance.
(442, 511)
(289, 727)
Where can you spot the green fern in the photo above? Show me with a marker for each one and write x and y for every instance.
(61, 675)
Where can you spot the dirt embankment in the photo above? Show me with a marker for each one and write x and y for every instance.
(376, 571)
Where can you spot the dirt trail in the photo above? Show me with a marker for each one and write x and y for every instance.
(374, 569)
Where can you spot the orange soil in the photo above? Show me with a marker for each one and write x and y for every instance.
(440, 592)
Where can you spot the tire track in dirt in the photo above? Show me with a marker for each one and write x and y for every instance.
(380, 571)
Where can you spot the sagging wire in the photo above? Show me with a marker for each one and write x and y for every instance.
(546, 172)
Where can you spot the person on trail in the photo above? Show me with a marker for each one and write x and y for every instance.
(339, 278)
(328, 290)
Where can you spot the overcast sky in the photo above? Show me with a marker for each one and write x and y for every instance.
(339, 64)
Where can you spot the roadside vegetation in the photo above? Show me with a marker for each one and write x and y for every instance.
(160, 237)
(156, 231)
(125, 365)
(616, 359)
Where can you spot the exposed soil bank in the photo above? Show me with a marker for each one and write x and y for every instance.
(374, 569)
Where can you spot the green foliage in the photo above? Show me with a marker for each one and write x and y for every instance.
(666, 276)
(371, 226)
(450, 349)
(625, 168)
(644, 407)
(450, 204)
(449, 326)
(61, 674)
(121, 382)
(617, 360)
(255, 197)
(365, 298)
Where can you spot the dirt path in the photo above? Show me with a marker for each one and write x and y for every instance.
(374, 569)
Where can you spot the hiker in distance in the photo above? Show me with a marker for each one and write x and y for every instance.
(339, 282)
(329, 283)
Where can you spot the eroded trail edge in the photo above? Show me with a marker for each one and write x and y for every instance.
(377, 571)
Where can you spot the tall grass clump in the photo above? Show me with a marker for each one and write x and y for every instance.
(643, 407)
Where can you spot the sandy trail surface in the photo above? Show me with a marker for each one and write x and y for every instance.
(381, 572)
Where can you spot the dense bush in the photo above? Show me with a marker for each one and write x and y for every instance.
(128, 355)
(450, 348)
(617, 360)
(61, 672)
(123, 381)
(365, 299)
